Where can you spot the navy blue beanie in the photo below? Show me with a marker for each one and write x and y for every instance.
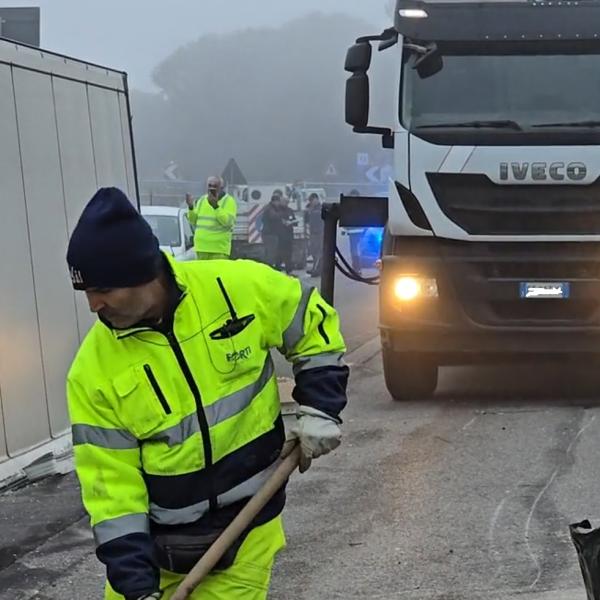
(112, 245)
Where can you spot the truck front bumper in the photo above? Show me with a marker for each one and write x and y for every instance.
(479, 314)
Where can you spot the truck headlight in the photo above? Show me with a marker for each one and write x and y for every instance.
(413, 13)
(408, 288)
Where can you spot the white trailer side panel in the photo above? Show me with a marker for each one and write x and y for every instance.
(78, 169)
(107, 133)
(24, 408)
(127, 147)
(64, 132)
(46, 214)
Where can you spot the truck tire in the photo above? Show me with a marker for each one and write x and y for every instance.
(408, 377)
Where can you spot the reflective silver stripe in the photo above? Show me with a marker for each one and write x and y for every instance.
(178, 516)
(327, 359)
(178, 433)
(235, 403)
(248, 488)
(115, 528)
(293, 334)
(211, 228)
(113, 439)
(189, 514)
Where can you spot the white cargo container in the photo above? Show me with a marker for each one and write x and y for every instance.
(65, 130)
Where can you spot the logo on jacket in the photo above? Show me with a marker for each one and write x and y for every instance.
(243, 354)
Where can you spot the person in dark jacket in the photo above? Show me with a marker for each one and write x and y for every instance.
(315, 225)
(286, 236)
(271, 229)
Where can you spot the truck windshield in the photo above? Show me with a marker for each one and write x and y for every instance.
(515, 92)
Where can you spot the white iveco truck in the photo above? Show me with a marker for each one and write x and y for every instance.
(492, 246)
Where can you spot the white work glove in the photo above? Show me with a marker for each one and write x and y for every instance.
(317, 433)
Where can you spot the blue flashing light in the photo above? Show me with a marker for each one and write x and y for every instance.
(371, 244)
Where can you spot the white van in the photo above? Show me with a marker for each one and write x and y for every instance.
(173, 230)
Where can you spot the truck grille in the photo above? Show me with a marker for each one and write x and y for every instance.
(481, 207)
(486, 277)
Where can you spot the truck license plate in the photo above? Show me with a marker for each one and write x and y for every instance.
(541, 290)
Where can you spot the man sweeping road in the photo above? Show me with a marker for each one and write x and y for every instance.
(174, 403)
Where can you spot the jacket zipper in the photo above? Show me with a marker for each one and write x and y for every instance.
(157, 390)
(322, 323)
(204, 429)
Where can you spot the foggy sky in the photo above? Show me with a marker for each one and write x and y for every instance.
(135, 35)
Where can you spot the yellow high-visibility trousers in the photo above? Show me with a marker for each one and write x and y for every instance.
(248, 578)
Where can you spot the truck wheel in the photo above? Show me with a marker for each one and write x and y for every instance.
(408, 377)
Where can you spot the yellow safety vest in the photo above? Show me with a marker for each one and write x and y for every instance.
(213, 227)
(169, 427)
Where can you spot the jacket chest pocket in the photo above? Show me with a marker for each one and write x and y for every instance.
(143, 405)
(234, 355)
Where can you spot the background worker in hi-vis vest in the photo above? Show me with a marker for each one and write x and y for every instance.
(213, 218)
(174, 403)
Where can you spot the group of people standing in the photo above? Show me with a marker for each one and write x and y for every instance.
(279, 221)
(213, 218)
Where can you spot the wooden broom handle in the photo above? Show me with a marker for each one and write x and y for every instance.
(243, 520)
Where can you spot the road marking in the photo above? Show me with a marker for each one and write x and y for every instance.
(488, 593)
(492, 535)
(533, 557)
(363, 354)
(470, 422)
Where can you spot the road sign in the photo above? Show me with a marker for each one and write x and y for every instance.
(379, 174)
(362, 159)
(331, 171)
(373, 174)
(171, 172)
(233, 174)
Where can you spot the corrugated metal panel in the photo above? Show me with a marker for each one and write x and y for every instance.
(61, 66)
(21, 377)
(108, 138)
(126, 136)
(61, 138)
(46, 214)
(77, 159)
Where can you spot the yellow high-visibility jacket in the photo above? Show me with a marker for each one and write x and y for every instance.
(170, 427)
(213, 227)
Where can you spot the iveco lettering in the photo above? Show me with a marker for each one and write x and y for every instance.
(541, 171)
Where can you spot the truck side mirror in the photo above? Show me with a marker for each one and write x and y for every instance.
(358, 61)
(357, 100)
(358, 58)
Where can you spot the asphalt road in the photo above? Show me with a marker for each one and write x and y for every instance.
(465, 496)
